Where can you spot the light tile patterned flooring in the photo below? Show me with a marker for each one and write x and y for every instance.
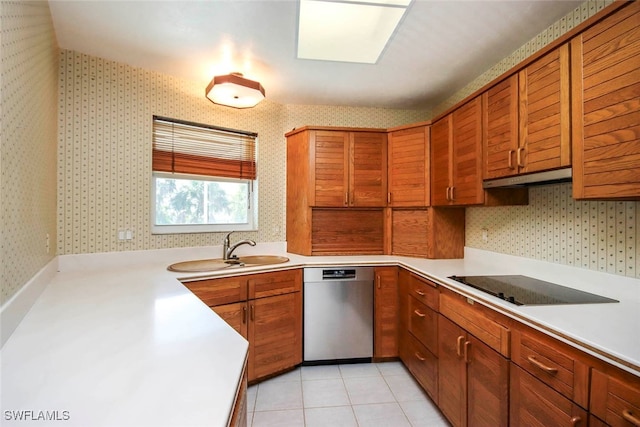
(358, 395)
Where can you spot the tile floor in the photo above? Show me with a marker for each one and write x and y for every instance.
(364, 395)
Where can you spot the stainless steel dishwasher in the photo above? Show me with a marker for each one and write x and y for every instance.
(338, 314)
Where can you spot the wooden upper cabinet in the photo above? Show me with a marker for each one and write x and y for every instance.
(605, 80)
(500, 125)
(545, 115)
(526, 119)
(348, 168)
(408, 171)
(456, 156)
(330, 168)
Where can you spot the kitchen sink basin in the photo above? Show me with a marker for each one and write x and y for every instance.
(215, 264)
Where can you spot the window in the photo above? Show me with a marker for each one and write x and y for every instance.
(204, 178)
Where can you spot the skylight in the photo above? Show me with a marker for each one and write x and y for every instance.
(347, 30)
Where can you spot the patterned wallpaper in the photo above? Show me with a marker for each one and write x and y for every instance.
(596, 235)
(104, 151)
(28, 131)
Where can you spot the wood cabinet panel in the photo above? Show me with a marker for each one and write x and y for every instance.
(408, 167)
(476, 321)
(435, 233)
(544, 97)
(423, 324)
(347, 231)
(275, 283)
(425, 291)
(219, 291)
(615, 398)
(423, 365)
(235, 315)
(385, 342)
(500, 124)
(452, 372)
(368, 174)
(441, 152)
(552, 363)
(534, 404)
(466, 188)
(487, 386)
(275, 334)
(329, 168)
(606, 107)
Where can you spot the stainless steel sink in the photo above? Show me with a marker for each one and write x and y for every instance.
(215, 264)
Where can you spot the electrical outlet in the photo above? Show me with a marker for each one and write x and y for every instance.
(47, 243)
(485, 235)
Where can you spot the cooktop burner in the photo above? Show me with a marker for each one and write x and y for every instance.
(523, 290)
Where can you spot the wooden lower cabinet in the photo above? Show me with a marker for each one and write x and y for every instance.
(615, 397)
(238, 416)
(275, 334)
(472, 379)
(422, 364)
(235, 315)
(385, 339)
(534, 404)
(266, 309)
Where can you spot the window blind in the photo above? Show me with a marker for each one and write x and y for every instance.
(193, 148)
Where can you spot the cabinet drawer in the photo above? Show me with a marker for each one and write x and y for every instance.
(423, 324)
(423, 365)
(534, 403)
(464, 312)
(616, 400)
(219, 291)
(553, 364)
(425, 291)
(276, 283)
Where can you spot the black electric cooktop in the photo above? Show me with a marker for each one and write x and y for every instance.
(523, 290)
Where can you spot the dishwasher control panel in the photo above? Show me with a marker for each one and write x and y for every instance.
(338, 274)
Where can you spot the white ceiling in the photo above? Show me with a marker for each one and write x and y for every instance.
(437, 49)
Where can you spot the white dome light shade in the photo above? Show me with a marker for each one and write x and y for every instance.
(233, 90)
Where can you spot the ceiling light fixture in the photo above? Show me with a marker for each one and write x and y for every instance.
(233, 90)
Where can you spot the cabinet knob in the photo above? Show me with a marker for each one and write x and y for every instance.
(575, 420)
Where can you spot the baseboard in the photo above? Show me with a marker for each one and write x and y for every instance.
(14, 310)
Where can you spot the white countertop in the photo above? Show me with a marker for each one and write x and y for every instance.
(116, 340)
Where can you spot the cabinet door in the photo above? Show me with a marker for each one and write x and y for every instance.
(441, 139)
(452, 377)
(235, 315)
(386, 312)
(368, 169)
(219, 291)
(500, 127)
(329, 154)
(605, 94)
(487, 385)
(409, 167)
(275, 334)
(423, 324)
(423, 365)
(533, 404)
(466, 187)
(615, 397)
(545, 113)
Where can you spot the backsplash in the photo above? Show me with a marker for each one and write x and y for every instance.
(28, 150)
(104, 151)
(596, 235)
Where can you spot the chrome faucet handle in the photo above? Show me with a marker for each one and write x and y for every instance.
(226, 239)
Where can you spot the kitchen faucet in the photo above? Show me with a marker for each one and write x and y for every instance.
(227, 248)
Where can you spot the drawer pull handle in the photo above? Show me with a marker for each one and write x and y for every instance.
(419, 357)
(466, 351)
(418, 313)
(253, 312)
(519, 161)
(510, 156)
(244, 314)
(628, 415)
(575, 420)
(419, 292)
(542, 366)
(459, 346)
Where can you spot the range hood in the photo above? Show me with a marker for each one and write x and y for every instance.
(536, 178)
